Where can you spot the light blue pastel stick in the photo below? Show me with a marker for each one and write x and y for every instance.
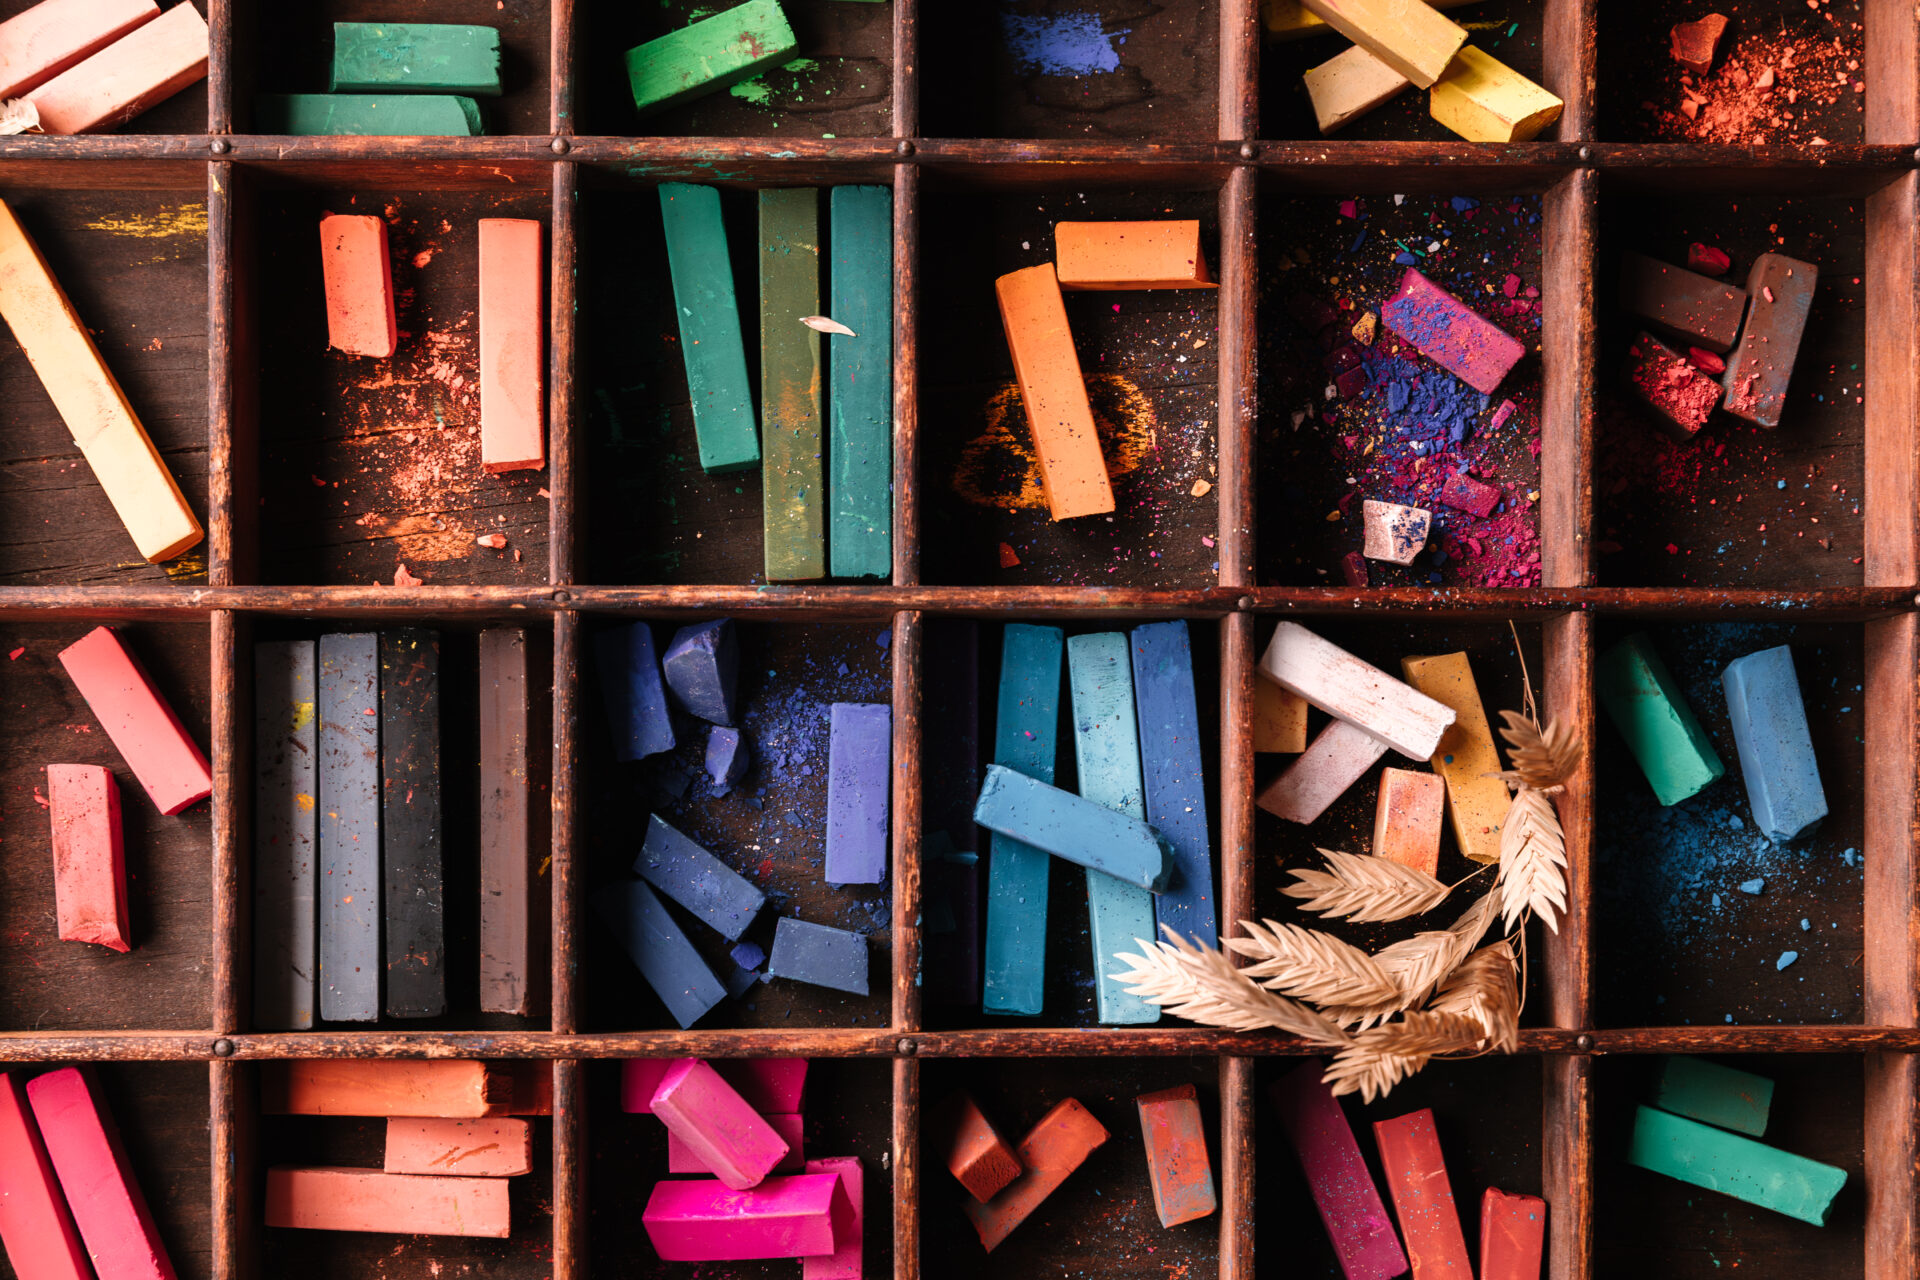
(1025, 723)
(1776, 750)
(1176, 777)
(1071, 827)
(1106, 747)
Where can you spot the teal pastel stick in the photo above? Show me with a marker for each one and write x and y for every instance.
(368, 115)
(1071, 827)
(710, 341)
(1025, 725)
(1775, 746)
(1716, 1095)
(860, 375)
(1106, 749)
(1712, 1158)
(415, 57)
(1646, 705)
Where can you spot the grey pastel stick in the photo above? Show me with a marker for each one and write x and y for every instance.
(349, 826)
(283, 835)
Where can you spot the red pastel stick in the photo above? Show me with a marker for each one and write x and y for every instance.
(35, 1228)
(89, 866)
(1513, 1235)
(1052, 1149)
(151, 739)
(1422, 1199)
(107, 1206)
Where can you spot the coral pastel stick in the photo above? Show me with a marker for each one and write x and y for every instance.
(150, 737)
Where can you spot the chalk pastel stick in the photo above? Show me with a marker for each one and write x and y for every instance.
(415, 57)
(789, 1127)
(859, 785)
(1173, 764)
(1408, 35)
(715, 354)
(1052, 1149)
(770, 1085)
(381, 115)
(849, 1223)
(1776, 748)
(1780, 293)
(636, 697)
(1279, 718)
(1465, 758)
(36, 1228)
(702, 670)
(1177, 1163)
(1343, 1191)
(445, 1088)
(1073, 471)
(704, 1220)
(39, 43)
(1416, 1177)
(1716, 1160)
(358, 274)
(89, 864)
(1407, 819)
(716, 1123)
(103, 424)
(976, 1154)
(84, 1147)
(698, 881)
(513, 345)
(1717, 1095)
(1645, 703)
(1671, 385)
(1692, 309)
(1106, 748)
(1026, 726)
(509, 971)
(149, 736)
(1484, 100)
(860, 378)
(1130, 255)
(1338, 757)
(348, 704)
(793, 477)
(1463, 493)
(1347, 688)
(728, 758)
(334, 1199)
(284, 832)
(709, 55)
(490, 1148)
(1070, 827)
(660, 950)
(818, 954)
(1450, 333)
(1513, 1235)
(1395, 534)
(1282, 20)
(414, 887)
(140, 70)
(1348, 86)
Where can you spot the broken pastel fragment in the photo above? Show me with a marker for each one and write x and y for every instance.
(702, 668)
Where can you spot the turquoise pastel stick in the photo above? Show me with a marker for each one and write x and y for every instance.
(1025, 726)
(860, 378)
(1646, 705)
(1732, 1165)
(1071, 827)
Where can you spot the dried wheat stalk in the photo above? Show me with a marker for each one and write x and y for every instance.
(1365, 889)
(17, 115)
(1381, 1058)
(1484, 988)
(1533, 860)
(1309, 965)
(1542, 759)
(1201, 985)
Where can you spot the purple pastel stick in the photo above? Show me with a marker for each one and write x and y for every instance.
(717, 1124)
(848, 1223)
(703, 1220)
(682, 1158)
(859, 769)
(769, 1085)
(1350, 1205)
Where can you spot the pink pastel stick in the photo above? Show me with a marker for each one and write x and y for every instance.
(771, 1086)
(707, 1221)
(106, 1202)
(35, 1228)
(717, 1124)
(1343, 1191)
(682, 1158)
(89, 866)
(848, 1224)
(151, 739)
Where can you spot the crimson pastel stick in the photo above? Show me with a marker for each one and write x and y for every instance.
(35, 1228)
(107, 1206)
(150, 737)
(1350, 1205)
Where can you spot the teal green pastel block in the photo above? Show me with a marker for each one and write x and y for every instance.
(1106, 749)
(1703, 1156)
(1646, 705)
(860, 373)
(1716, 1095)
(415, 57)
(710, 340)
(709, 55)
(1026, 725)
(370, 115)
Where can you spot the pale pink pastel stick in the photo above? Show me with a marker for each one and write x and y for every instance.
(100, 1188)
(682, 1158)
(848, 1224)
(89, 867)
(717, 1124)
(771, 1086)
(706, 1221)
(1336, 759)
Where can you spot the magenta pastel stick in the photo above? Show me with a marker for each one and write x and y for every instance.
(706, 1221)
(36, 1231)
(771, 1086)
(1343, 1191)
(682, 1158)
(849, 1222)
(639, 1077)
(717, 1125)
(107, 1206)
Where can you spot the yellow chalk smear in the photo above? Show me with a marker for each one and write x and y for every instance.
(164, 223)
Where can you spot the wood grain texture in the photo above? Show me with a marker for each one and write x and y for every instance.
(906, 810)
(1567, 1165)
(1569, 371)
(1567, 697)
(1892, 544)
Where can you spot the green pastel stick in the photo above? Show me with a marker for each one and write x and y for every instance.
(860, 370)
(1024, 737)
(1645, 703)
(415, 57)
(1712, 1158)
(710, 340)
(383, 115)
(1106, 748)
(709, 55)
(792, 474)
(1717, 1095)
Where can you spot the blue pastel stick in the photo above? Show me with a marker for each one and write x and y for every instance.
(1106, 748)
(702, 666)
(1072, 827)
(697, 880)
(859, 778)
(347, 701)
(636, 696)
(728, 758)
(1170, 754)
(660, 950)
(1024, 726)
(1776, 749)
(818, 954)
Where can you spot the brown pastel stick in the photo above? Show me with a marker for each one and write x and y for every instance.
(507, 978)
(1681, 304)
(1781, 289)
(1177, 1163)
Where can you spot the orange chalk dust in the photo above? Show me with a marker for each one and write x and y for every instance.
(359, 278)
(1131, 255)
(1072, 469)
(513, 397)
